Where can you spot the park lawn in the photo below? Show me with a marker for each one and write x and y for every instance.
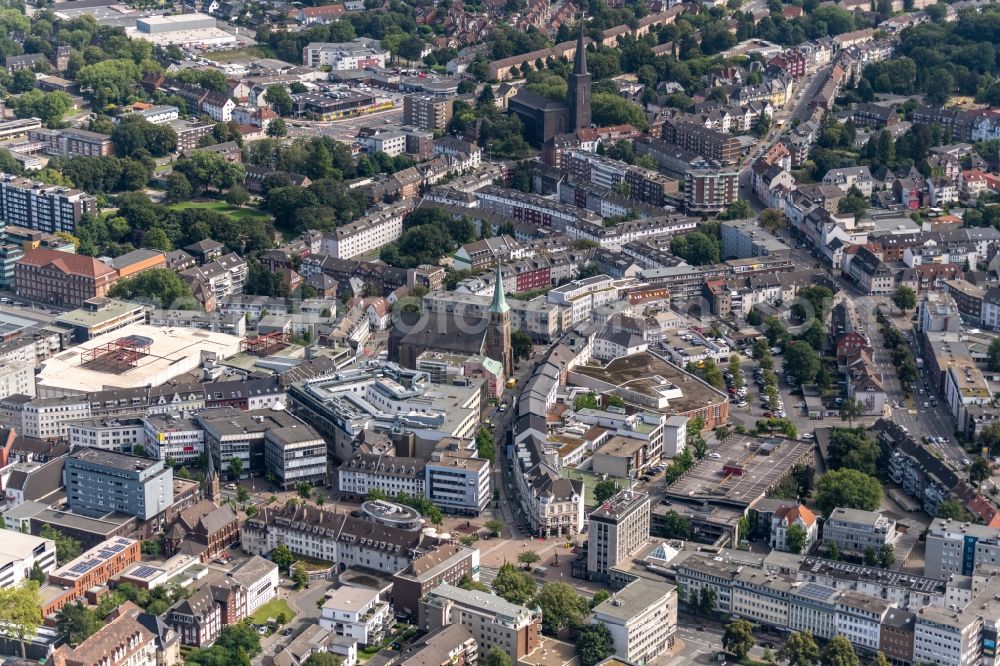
(271, 610)
(220, 207)
(231, 55)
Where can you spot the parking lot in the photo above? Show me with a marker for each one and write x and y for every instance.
(737, 470)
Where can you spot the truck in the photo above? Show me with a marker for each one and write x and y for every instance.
(511, 382)
(920, 364)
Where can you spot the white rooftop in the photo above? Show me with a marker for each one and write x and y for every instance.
(172, 352)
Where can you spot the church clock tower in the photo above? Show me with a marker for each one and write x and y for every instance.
(498, 332)
(578, 90)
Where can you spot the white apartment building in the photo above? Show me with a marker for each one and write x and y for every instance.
(392, 143)
(19, 553)
(458, 483)
(358, 54)
(955, 547)
(946, 637)
(370, 469)
(357, 613)
(49, 418)
(856, 530)
(330, 537)
(784, 518)
(16, 377)
(642, 618)
(157, 114)
(295, 454)
(259, 577)
(367, 234)
(617, 529)
(120, 435)
(585, 295)
(859, 619)
(170, 436)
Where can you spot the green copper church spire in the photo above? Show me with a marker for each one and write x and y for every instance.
(499, 303)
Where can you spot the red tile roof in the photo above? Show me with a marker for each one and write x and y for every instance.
(67, 262)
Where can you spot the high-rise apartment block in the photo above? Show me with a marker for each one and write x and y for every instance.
(427, 111)
(36, 205)
(618, 528)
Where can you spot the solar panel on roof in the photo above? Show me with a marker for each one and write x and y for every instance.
(144, 571)
(817, 591)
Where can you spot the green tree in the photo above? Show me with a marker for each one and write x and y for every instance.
(773, 219)
(178, 188)
(67, 547)
(235, 468)
(466, 583)
(611, 109)
(852, 449)
(800, 650)
(236, 196)
(833, 552)
(277, 128)
(517, 587)
(108, 81)
(594, 644)
(280, 101)
(979, 471)
(851, 409)
(886, 556)
(993, 356)
(879, 660)
(561, 607)
(839, 652)
(485, 447)
(696, 248)
(322, 659)
(157, 239)
(797, 537)
(160, 286)
(706, 601)
(520, 343)
(282, 556)
(528, 557)
(496, 657)
(853, 204)
(304, 490)
(204, 170)
(801, 362)
(954, 510)
(494, 526)
(599, 597)
(300, 576)
(675, 526)
(904, 298)
(48, 107)
(605, 490)
(37, 574)
(20, 613)
(847, 488)
(738, 638)
(78, 623)
(586, 400)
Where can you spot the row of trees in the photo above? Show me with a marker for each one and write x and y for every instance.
(562, 609)
(799, 650)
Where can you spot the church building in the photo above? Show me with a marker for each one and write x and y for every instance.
(456, 332)
(544, 118)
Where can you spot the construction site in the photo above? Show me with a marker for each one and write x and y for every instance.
(134, 356)
(740, 470)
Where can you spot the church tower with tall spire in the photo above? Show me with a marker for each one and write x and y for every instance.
(210, 486)
(498, 331)
(578, 91)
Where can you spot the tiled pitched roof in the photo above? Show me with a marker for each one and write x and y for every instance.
(67, 262)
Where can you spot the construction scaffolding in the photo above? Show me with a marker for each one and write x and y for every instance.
(264, 345)
(117, 356)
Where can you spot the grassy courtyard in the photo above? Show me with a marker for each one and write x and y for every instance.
(221, 207)
(271, 610)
